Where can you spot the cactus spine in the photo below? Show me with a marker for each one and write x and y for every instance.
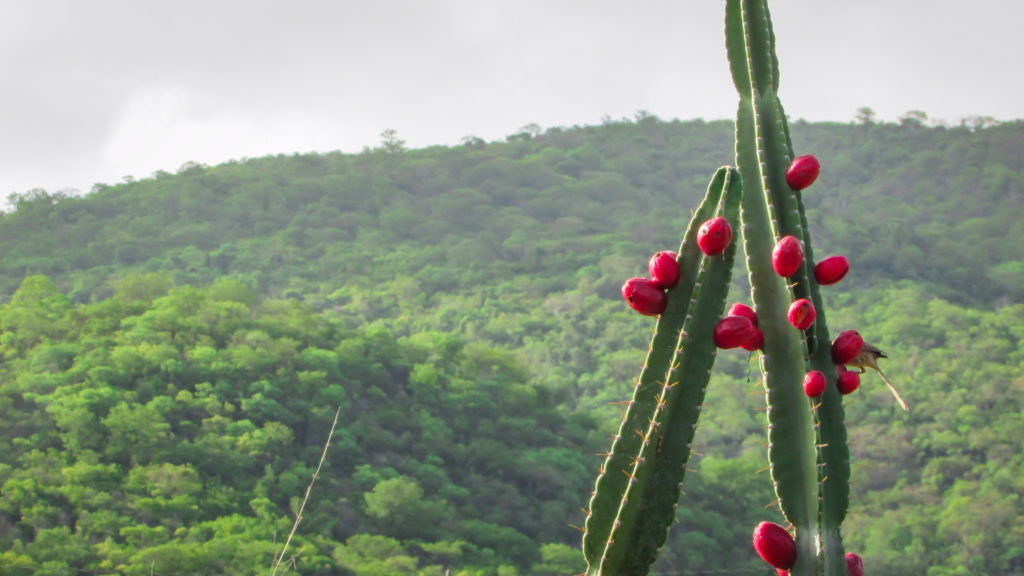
(635, 494)
(634, 499)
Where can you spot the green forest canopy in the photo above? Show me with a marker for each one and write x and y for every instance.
(175, 348)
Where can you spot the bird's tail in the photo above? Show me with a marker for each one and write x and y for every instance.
(903, 403)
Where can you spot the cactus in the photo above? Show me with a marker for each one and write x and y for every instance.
(808, 455)
(636, 493)
(634, 498)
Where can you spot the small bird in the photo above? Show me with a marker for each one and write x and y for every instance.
(869, 359)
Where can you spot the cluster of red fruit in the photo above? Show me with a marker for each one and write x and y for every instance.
(776, 547)
(738, 329)
(647, 295)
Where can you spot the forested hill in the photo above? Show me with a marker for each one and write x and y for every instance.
(174, 350)
(934, 205)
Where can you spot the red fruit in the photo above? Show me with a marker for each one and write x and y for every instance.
(787, 256)
(664, 269)
(644, 296)
(846, 347)
(733, 331)
(803, 172)
(814, 383)
(755, 342)
(801, 314)
(782, 572)
(854, 564)
(831, 270)
(774, 545)
(848, 381)
(714, 236)
(745, 311)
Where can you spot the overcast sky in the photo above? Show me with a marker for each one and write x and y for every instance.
(100, 89)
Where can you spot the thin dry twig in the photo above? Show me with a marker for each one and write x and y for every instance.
(279, 559)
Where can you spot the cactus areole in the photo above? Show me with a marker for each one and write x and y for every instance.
(714, 236)
(664, 269)
(774, 545)
(802, 172)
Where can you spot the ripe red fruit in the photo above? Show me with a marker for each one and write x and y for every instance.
(664, 269)
(733, 331)
(854, 564)
(787, 256)
(774, 545)
(714, 236)
(747, 312)
(802, 172)
(831, 270)
(644, 296)
(814, 383)
(755, 342)
(848, 381)
(801, 314)
(847, 346)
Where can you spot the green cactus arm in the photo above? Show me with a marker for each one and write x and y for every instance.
(614, 478)
(834, 456)
(791, 436)
(834, 452)
(762, 151)
(764, 142)
(648, 509)
(750, 41)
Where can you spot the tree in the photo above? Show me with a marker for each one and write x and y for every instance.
(913, 119)
(390, 141)
(865, 116)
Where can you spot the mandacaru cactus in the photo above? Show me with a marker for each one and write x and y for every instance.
(633, 504)
(634, 500)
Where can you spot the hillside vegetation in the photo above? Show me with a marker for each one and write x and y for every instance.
(175, 349)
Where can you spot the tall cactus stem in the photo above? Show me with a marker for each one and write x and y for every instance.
(648, 508)
(811, 477)
(616, 472)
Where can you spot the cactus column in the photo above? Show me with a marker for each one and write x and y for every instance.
(808, 454)
(634, 499)
(635, 495)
